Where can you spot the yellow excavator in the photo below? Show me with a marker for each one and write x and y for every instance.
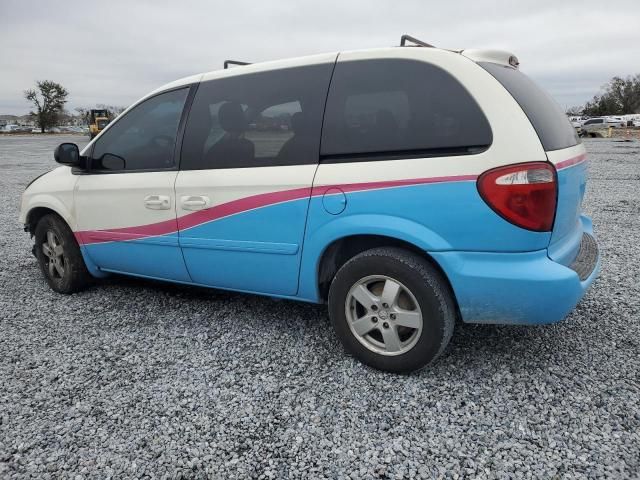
(98, 120)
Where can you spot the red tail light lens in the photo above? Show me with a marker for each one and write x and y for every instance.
(524, 194)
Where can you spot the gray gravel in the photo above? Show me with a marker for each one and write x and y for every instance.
(134, 378)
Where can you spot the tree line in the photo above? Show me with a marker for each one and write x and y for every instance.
(619, 96)
(48, 100)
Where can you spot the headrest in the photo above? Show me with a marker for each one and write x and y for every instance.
(231, 117)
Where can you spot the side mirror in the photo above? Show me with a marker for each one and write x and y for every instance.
(109, 161)
(67, 154)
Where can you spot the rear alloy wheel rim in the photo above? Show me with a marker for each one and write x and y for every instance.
(383, 315)
(54, 255)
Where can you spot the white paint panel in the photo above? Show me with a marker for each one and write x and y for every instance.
(116, 200)
(557, 156)
(53, 190)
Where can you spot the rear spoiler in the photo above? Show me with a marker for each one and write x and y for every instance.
(492, 56)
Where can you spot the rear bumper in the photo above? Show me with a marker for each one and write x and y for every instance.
(519, 288)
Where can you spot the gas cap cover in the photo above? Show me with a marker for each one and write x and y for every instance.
(334, 201)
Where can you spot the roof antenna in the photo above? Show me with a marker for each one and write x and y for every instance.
(418, 43)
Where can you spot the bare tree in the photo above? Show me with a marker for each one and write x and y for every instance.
(574, 111)
(48, 99)
(83, 113)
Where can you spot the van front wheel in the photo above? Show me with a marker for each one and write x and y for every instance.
(59, 256)
(392, 309)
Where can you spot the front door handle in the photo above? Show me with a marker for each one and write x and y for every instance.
(194, 202)
(157, 202)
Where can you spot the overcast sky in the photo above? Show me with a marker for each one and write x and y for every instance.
(113, 52)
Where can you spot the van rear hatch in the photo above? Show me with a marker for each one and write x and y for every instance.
(562, 147)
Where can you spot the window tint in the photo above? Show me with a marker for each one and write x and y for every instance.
(257, 120)
(394, 105)
(144, 138)
(549, 121)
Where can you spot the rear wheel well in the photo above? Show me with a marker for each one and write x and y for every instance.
(343, 249)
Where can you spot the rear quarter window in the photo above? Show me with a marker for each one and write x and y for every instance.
(395, 108)
(549, 121)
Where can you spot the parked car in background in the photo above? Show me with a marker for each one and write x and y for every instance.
(616, 122)
(593, 124)
(404, 187)
(71, 129)
(589, 127)
(15, 129)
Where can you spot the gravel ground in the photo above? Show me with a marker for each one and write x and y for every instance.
(141, 379)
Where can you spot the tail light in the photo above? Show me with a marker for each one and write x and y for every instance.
(524, 194)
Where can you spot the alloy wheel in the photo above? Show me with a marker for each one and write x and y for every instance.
(383, 315)
(54, 255)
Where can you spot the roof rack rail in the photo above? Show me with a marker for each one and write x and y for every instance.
(234, 62)
(418, 43)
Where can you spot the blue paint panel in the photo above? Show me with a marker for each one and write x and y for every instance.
(91, 266)
(241, 245)
(512, 288)
(568, 227)
(248, 271)
(257, 250)
(452, 210)
(434, 217)
(158, 257)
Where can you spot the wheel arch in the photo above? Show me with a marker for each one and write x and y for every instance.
(338, 252)
(34, 215)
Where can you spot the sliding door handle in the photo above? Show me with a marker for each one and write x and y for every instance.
(194, 202)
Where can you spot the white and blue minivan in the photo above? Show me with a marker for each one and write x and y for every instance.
(403, 186)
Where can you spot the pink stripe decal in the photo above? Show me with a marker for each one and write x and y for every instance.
(357, 187)
(127, 233)
(243, 205)
(571, 161)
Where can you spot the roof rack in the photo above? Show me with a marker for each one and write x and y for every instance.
(234, 62)
(418, 43)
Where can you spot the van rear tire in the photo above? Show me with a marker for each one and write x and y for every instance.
(392, 309)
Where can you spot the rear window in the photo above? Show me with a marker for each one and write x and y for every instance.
(546, 116)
